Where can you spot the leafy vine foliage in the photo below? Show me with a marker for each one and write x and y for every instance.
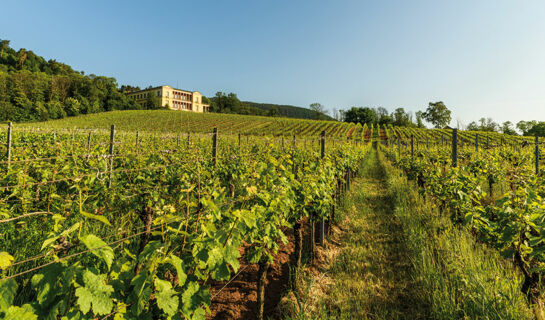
(495, 192)
(141, 233)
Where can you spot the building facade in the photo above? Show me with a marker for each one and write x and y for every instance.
(175, 99)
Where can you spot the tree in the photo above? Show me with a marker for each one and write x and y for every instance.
(384, 117)
(361, 115)
(318, 109)
(3, 46)
(484, 124)
(401, 118)
(153, 101)
(419, 117)
(526, 126)
(437, 114)
(507, 128)
(537, 130)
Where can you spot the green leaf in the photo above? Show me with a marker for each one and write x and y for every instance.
(5, 260)
(166, 297)
(64, 234)
(46, 281)
(190, 299)
(177, 263)
(249, 218)
(99, 248)
(231, 256)
(96, 217)
(95, 294)
(25, 312)
(8, 288)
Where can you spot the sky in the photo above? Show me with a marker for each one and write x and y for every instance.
(481, 58)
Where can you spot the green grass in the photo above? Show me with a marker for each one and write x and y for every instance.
(399, 258)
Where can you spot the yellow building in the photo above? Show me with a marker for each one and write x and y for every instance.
(175, 99)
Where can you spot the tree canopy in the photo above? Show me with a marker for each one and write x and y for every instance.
(437, 114)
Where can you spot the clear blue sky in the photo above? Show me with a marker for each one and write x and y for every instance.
(482, 58)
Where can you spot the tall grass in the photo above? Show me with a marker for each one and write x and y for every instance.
(400, 258)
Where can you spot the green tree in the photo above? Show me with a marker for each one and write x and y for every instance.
(437, 114)
(4, 44)
(401, 118)
(419, 117)
(537, 130)
(318, 110)
(152, 101)
(508, 128)
(526, 126)
(361, 115)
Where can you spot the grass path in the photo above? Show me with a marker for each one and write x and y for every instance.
(373, 264)
(398, 257)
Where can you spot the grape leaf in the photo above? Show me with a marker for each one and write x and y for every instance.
(5, 260)
(95, 294)
(177, 263)
(96, 217)
(17, 313)
(166, 297)
(99, 248)
(8, 288)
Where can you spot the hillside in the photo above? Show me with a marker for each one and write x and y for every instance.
(288, 111)
(176, 121)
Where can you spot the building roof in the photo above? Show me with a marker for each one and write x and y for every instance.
(159, 87)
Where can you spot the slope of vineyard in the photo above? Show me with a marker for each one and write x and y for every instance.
(184, 122)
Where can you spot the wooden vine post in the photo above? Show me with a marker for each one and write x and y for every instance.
(322, 220)
(137, 141)
(8, 144)
(112, 139)
(537, 155)
(215, 146)
(477, 142)
(264, 265)
(398, 148)
(412, 147)
(454, 148)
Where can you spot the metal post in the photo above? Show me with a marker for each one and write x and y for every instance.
(487, 142)
(477, 142)
(178, 140)
(8, 154)
(215, 146)
(428, 143)
(454, 148)
(112, 139)
(239, 140)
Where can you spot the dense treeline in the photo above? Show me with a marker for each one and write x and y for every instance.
(287, 111)
(436, 113)
(32, 88)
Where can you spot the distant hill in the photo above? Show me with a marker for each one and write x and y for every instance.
(287, 111)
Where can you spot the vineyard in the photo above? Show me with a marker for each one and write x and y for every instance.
(98, 224)
(151, 214)
(491, 184)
